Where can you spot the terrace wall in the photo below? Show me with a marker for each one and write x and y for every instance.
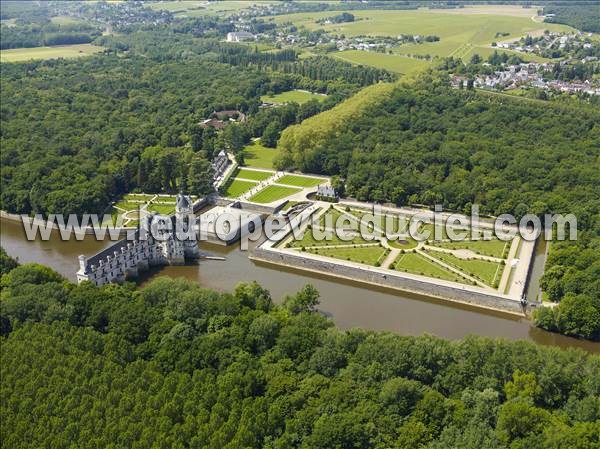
(390, 279)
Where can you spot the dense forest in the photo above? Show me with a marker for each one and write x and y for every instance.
(584, 16)
(76, 134)
(174, 365)
(427, 143)
(37, 35)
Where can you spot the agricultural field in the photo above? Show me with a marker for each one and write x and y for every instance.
(463, 32)
(293, 96)
(237, 187)
(202, 8)
(256, 155)
(254, 175)
(273, 193)
(394, 63)
(368, 255)
(66, 20)
(300, 181)
(61, 51)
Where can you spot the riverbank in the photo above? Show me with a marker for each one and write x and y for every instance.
(350, 304)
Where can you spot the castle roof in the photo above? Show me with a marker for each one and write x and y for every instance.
(183, 202)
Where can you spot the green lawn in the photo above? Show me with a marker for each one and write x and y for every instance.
(238, 187)
(63, 51)
(164, 209)
(392, 224)
(415, 263)
(492, 248)
(293, 96)
(273, 193)
(332, 239)
(484, 270)
(141, 197)
(258, 156)
(403, 243)
(335, 215)
(254, 175)
(128, 205)
(300, 181)
(368, 255)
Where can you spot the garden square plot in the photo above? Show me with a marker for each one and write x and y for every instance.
(259, 156)
(486, 271)
(415, 263)
(273, 193)
(369, 255)
(492, 248)
(238, 187)
(254, 175)
(300, 181)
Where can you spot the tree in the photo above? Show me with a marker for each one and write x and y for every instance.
(306, 300)
(270, 135)
(475, 59)
(196, 132)
(200, 177)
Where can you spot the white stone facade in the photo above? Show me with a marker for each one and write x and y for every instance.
(126, 258)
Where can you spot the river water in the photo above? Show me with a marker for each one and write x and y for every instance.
(349, 304)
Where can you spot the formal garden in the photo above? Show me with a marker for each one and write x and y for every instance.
(475, 262)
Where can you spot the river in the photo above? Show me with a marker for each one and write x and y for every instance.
(349, 304)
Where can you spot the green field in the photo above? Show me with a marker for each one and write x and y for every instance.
(300, 181)
(462, 32)
(369, 255)
(258, 156)
(238, 187)
(62, 51)
(292, 96)
(492, 248)
(394, 63)
(195, 8)
(254, 175)
(484, 270)
(273, 193)
(415, 263)
(65, 20)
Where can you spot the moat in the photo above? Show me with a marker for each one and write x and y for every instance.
(349, 304)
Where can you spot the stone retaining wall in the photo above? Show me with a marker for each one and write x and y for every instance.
(268, 210)
(390, 279)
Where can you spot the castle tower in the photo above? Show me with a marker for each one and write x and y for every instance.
(184, 216)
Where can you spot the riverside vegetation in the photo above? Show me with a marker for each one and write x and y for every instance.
(176, 365)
